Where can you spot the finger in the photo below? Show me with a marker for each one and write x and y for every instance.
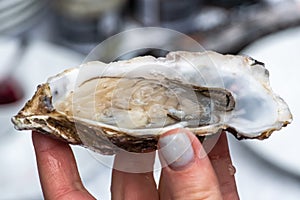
(221, 161)
(132, 177)
(57, 168)
(189, 173)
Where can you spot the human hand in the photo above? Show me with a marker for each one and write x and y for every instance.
(194, 176)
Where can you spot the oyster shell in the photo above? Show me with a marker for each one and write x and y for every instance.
(129, 104)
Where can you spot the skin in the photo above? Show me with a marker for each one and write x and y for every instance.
(205, 177)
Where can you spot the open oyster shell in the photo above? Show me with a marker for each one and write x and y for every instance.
(129, 104)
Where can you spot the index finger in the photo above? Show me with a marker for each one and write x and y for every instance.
(57, 168)
(132, 176)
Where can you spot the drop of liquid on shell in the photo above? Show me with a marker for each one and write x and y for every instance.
(231, 170)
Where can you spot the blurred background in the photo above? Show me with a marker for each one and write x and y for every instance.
(39, 38)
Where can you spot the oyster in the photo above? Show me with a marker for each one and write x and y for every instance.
(129, 104)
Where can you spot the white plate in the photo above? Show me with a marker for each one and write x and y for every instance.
(10, 11)
(20, 16)
(4, 5)
(281, 54)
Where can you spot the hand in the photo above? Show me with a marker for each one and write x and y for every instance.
(194, 176)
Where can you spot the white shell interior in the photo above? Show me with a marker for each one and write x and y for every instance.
(257, 108)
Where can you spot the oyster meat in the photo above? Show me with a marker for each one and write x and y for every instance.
(129, 104)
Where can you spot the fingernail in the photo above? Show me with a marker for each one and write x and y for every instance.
(176, 150)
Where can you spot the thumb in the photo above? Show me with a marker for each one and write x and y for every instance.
(187, 171)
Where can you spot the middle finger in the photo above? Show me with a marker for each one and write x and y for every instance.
(132, 176)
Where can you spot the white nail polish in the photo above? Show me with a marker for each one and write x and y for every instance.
(176, 150)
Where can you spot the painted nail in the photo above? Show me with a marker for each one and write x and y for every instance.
(176, 150)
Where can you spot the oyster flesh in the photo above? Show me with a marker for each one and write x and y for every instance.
(129, 104)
